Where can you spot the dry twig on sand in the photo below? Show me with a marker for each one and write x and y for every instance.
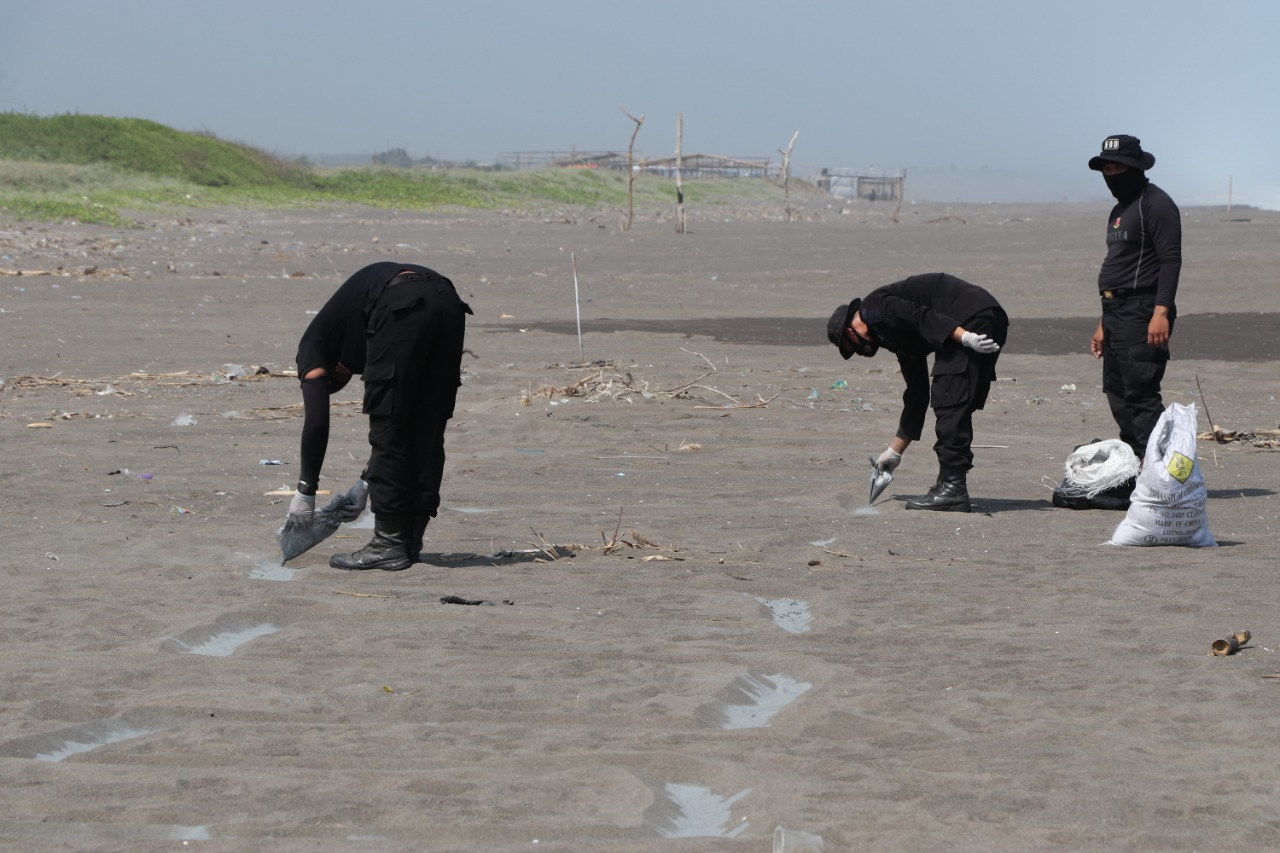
(604, 385)
(84, 272)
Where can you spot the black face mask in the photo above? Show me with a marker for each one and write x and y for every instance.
(1126, 185)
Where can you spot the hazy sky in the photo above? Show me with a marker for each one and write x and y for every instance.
(977, 99)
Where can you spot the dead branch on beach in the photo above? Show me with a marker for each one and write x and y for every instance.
(785, 172)
(603, 384)
(1268, 439)
(179, 379)
(83, 272)
(616, 543)
(631, 170)
(1263, 438)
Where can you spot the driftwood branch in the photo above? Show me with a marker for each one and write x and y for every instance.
(631, 171)
(681, 224)
(786, 174)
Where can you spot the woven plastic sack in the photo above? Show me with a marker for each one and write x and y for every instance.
(1169, 502)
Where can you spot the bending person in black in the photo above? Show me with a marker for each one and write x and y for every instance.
(964, 327)
(401, 327)
(1138, 284)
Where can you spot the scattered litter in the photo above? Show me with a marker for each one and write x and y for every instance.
(788, 840)
(40, 425)
(180, 510)
(1068, 388)
(840, 385)
(1230, 644)
(270, 462)
(457, 599)
(813, 393)
(185, 419)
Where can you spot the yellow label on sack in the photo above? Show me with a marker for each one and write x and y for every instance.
(1180, 466)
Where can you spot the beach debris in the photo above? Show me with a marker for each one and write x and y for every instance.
(483, 602)
(604, 384)
(787, 840)
(40, 425)
(116, 385)
(297, 538)
(1229, 644)
(184, 419)
(270, 462)
(66, 273)
(1261, 438)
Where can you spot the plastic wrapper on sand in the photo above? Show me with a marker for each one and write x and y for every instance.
(297, 538)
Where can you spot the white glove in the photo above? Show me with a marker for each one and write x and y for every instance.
(979, 343)
(358, 495)
(302, 509)
(888, 461)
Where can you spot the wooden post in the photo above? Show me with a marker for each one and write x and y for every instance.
(786, 168)
(1228, 198)
(680, 220)
(631, 171)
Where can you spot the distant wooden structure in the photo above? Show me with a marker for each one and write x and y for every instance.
(711, 166)
(864, 184)
(692, 166)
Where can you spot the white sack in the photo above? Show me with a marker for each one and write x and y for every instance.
(1168, 505)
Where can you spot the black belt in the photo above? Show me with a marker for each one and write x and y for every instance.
(1126, 293)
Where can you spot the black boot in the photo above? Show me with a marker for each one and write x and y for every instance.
(388, 550)
(949, 494)
(417, 529)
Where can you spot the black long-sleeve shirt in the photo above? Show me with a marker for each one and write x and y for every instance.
(336, 336)
(1144, 246)
(917, 316)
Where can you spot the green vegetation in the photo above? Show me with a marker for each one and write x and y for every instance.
(94, 169)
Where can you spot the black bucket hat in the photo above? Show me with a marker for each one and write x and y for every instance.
(840, 320)
(1125, 149)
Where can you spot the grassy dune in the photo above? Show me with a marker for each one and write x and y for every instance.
(99, 169)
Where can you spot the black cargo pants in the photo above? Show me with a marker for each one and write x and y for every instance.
(414, 332)
(961, 381)
(1131, 370)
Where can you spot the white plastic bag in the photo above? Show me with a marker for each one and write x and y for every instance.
(1094, 468)
(1169, 503)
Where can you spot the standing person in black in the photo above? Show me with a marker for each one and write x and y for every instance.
(401, 327)
(964, 327)
(1138, 284)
